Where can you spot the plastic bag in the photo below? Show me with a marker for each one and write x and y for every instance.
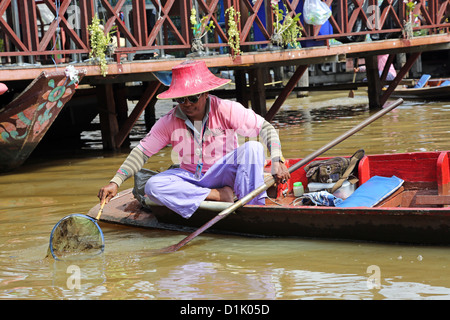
(316, 12)
(319, 198)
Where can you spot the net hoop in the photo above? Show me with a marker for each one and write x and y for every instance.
(102, 247)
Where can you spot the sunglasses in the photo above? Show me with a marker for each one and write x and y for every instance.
(191, 99)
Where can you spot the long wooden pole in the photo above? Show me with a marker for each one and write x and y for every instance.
(270, 181)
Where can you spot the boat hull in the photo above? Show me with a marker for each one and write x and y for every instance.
(25, 121)
(430, 93)
(14, 155)
(393, 225)
(418, 212)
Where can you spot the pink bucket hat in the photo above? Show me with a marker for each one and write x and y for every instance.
(191, 78)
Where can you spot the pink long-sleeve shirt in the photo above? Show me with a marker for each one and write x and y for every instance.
(225, 120)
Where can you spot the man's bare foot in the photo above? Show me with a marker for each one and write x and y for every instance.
(224, 194)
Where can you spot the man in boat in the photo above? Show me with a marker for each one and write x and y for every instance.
(382, 60)
(202, 130)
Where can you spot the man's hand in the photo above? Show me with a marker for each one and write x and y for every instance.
(108, 192)
(280, 172)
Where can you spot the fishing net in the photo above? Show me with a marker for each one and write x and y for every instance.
(74, 236)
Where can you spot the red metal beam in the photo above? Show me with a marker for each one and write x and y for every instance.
(60, 21)
(113, 19)
(7, 29)
(149, 93)
(400, 75)
(141, 36)
(286, 92)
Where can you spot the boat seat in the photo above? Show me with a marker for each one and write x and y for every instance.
(445, 83)
(394, 200)
(372, 192)
(422, 81)
(433, 200)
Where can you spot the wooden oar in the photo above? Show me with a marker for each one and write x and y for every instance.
(270, 181)
(351, 94)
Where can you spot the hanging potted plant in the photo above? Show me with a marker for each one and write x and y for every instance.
(199, 30)
(101, 44)
(411, 20)
(286, 29)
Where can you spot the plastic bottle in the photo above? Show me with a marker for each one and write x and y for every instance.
(298, 189)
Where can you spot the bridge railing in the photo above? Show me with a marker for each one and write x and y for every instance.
(54, 31)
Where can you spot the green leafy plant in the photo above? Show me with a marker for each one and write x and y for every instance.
(202, 26)
(286, 28)
(410, 6)
(199, 30)
(412, 20)
(234, 38)
(101, 44)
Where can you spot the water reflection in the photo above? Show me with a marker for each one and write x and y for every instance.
(288, 269)
(319, 111)
(219, 267)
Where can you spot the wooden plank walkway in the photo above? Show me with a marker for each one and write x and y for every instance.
(310, 55)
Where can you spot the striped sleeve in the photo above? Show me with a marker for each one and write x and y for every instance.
(132, 164)
(271, 139)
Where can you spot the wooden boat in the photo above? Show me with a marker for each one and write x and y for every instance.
(416, 213)
(433, 90)
(26, 119)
